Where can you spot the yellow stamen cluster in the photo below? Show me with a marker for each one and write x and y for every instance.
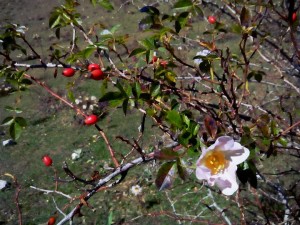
(215, 161)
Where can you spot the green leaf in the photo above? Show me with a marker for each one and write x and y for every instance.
(110, 218)
(54, 20)
(150, 10)
(184, 138)
(149, 43)
(183, 4)
(8, 121)
(71, 95)
(137, 52)
(174, 118)
(109, 96)
(125, 106)
(21, 121)
(146, 23)
(198, 10)
(87, 52)
(136, 89)
(165, 176)
(15, 130)
(182, 172)
(11, 109)
(181, 21)
(106, 4)
(122, 90)
(155, 89)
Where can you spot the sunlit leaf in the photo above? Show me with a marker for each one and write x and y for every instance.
(174, 118)
(165, 176)
(7, 121)
(15, 130)
(11, 109)
(137, 52)
(155, 89)
(183, 4)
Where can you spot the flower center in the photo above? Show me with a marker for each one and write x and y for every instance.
(215, 161)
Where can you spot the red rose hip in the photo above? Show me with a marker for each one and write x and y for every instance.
(93, 66)
(97, 74)
(211, 19)
(90, 120)
(294, 17)
(51, 220)
(68, 72)
(47, 160)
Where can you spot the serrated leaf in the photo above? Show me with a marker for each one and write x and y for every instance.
(165, 176)
(15, 130)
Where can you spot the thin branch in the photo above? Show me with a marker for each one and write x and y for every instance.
(119, 171)
(51, 191)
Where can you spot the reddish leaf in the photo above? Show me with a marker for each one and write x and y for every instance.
(245, 17)
(211, 126)
(165, 176)
(166, 154)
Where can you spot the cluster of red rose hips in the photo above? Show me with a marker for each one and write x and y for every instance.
(96, 74)
(95, 70)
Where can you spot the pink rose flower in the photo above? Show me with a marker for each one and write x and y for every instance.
(218, 164)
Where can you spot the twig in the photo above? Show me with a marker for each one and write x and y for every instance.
(111, 151)
(51, 191)
(120, 170)
(221, 211)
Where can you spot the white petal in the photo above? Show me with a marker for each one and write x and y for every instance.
(227, 181)
(202, 173)
(237, 154)
(225, 143)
